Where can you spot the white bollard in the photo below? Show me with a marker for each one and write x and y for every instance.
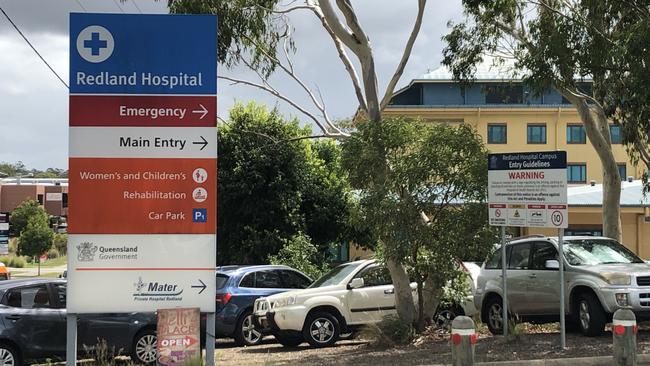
(463, 340)
(624, 331)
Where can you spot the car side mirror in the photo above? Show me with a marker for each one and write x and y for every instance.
(355, 283)
(552, 264)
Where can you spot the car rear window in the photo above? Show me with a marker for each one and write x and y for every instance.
(222, 279)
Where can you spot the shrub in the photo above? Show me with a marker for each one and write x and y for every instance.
(53, 253)
(391, 331)
(13, 261)
(61, 243)
(13, 245)
(300, 253)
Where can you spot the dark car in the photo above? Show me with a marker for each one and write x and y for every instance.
(237, 289)
(33, 325)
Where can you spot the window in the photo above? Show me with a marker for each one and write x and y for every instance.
(504, 94)
(576, 173)
(39, 198)
(64, 200)
(615, 132)
(222, 279)
(375, 276)
(494, 261)
(292, 279)
(543, 252)
(497, 134)
(575, 134)
(248, 280)
(622, 170)
(60, 291)
(519, 256)
(267, 279)
(28, 297)
(537, 133)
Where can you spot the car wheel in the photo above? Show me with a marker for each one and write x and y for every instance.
(246, 334)
(9, 356)
(444, 316)
(321, 329)
(289, 340)
(144, 347)
(591, 316)
(493, 315)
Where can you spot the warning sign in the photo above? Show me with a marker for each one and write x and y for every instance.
(528, 189)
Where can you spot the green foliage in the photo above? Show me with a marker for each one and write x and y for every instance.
(16, 169)
(246, 27)
(23, 213)
(559, 44)
(273, 184)
(298, 252)
(53, 253)
(36, 238)
(60, 242)
(13, 261)
(391, 331)
(404, 169)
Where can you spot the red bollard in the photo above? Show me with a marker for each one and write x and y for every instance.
(463, 340)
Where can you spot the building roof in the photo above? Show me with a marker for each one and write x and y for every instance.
(587, 195)
(35, 181)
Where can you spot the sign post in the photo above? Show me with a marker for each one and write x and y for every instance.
(529, 189)
(4, 234)
(142, 215)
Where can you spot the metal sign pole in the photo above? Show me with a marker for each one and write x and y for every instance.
(561, 260)
(71, 340)
(209, 339)
(503, 278)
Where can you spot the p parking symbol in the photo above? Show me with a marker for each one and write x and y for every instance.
(200, 215)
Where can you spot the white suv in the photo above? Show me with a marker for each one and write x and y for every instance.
(349, 296)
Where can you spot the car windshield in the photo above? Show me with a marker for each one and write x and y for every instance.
(335, 276)
(597, 251)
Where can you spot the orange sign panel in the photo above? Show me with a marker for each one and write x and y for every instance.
(142, 196)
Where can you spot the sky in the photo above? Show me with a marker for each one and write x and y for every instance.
(34, 103)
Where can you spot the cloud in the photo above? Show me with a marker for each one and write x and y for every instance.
(34, 103)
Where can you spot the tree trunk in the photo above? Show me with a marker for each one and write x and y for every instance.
(403, 296)
(597, 129)
(420, 323)
(432, 291)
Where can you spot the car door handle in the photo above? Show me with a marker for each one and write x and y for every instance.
(13, 317)
(532, 275)
(389, 292)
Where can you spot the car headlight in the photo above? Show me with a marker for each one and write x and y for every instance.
(617, 278)
(284, 301)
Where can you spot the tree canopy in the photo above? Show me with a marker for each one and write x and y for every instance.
(423, 189)
(273, 184)
(23, 213)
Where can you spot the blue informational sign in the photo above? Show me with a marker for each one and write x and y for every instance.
(527, 160)
(143, 54)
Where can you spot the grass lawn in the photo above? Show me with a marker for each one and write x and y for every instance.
(15, 274)
(61, 261)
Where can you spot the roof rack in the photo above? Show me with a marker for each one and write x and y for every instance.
(528, 237)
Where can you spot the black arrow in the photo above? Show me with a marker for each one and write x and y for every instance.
(202, 286)
(204, 142)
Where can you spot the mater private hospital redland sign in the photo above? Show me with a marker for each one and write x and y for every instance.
(143, 169)
(528, 189)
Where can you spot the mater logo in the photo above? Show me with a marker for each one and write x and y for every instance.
(87, 251)
(156, 290)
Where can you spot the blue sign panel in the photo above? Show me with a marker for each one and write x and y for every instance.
(143, 54)
(527, 160)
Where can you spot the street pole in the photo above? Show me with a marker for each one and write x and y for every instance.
(209, 339)
(503, 279)
(561, 260)
(71, 340)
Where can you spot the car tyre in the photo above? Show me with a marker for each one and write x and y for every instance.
(445, 315)
(144, 347)
(9, 355)
(493, 315)
(321, 329)
(246, 334)
(289, 340)
(590, 314)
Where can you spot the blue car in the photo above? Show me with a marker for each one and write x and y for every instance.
(237, 289)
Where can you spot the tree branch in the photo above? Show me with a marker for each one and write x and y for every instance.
(388, 95)
(349, 67)
(266, 87)
(337, 27)
(352, 21)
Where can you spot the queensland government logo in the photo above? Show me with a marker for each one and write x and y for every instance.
(87, 252)
(156, 291)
